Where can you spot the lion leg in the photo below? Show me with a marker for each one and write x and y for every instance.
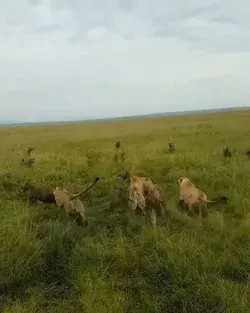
(142, 205)
(144, 214)
(181, 205)
(66, 217)
(83, 219)
(153, 218)
(132, 207)
(162, 209)
(202, 208)
(147, 215)
(190, 209)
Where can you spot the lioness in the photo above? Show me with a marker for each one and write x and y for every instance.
(190, 195)
(137, 194)
(156, 198)
(147, 196)
(72, 205)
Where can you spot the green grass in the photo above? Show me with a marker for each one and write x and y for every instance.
(116, 265)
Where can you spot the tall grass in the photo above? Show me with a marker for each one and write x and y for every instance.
(117, 265)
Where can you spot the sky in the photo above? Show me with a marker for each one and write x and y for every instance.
(81, 59)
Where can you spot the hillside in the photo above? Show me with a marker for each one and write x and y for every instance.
(117, 265)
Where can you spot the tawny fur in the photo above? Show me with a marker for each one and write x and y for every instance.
(136, 193)
(156, 198)
(150, 198)
(72, 205)
(190, 195)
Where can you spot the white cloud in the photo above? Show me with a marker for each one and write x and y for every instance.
(82, 59)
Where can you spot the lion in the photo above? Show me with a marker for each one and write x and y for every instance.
(149, 197)
(72, 205)
(156, 198)
(190, 195)
(136, 193)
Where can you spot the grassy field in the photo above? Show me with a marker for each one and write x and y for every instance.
(115, 265)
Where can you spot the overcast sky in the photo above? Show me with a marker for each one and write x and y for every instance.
(79, 59)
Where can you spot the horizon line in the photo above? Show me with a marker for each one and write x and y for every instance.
(126, 117)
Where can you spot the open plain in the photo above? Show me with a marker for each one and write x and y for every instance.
(116, 265)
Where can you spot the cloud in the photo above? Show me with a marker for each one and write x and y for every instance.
(64, 59)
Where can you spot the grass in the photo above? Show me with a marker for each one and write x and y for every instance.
(115, 265)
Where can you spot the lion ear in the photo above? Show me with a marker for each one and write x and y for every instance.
(180, 180)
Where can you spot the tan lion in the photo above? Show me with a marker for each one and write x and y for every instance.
(150, 198)
(72, 205)
(156, 198)
(137, 193)
(190, 195)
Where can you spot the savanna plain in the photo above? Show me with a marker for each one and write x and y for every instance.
(117, 264)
